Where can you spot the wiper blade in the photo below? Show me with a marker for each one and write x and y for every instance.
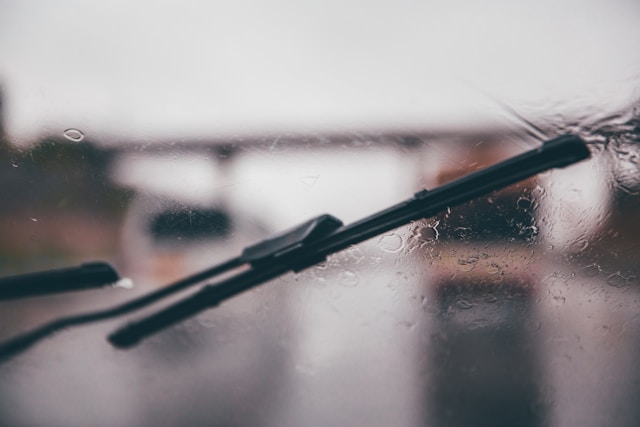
(86, 276)
(559, 152)
(308, 244)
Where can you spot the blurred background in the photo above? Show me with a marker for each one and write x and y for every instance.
(163, 137)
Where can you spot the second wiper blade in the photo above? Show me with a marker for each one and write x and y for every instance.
(291, 252)
(86, 276)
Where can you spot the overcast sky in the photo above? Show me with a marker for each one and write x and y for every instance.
(213, 68)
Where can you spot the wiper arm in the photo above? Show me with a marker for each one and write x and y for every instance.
(279, 259)
(308, 244)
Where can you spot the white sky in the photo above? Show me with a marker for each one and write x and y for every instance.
(191, 69)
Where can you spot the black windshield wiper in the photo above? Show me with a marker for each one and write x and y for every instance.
(277, 258)
(86, 276)
(310, 243)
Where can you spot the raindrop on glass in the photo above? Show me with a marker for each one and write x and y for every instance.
(523, 203)
(463, 232)
(493, 268)
(73, 135)
(348, 278)
(464, 304)
(322, 265)
(592, 270)
(529, 232)
(390, 242)
(580, 245)
(559, 299)
(616, 280)
(355, 254)
(538, 192)
(467, 264)
(425, 235)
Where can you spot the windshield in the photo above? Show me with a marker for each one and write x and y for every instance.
(166, 138)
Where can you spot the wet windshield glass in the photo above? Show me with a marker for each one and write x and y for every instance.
(164, 139)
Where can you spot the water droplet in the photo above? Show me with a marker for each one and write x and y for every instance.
(579, 245)
(348, 278)
(537, 192)
(560, 299)
(463, 232)
(464, 304)
(424, 235)
(493, 268)
(592, 270)
(355, 254)
(34, 219)
(490, 298)
(523, 203)
(529, 232)
(616, 280)
(14, 164)
(391, 242)
(322, 265)
(125, 283)
(73, 135)
(467, 264)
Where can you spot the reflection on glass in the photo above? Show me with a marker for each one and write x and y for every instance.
(485, 362)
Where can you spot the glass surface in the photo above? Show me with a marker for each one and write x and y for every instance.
(165, 137)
